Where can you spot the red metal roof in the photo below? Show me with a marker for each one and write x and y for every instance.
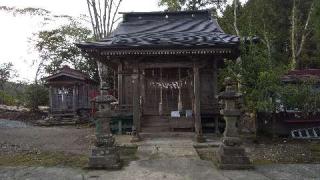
(67, 71)
(301, 75)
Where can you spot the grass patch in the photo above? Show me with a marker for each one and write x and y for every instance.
(45, 159)
(128, 154)
(208, 154)
(60, 159)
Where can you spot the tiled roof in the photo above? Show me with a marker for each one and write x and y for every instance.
(67, 71)
(189, 29)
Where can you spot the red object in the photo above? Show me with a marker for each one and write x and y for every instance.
(302, 121)
(301, 75)
(93, 94)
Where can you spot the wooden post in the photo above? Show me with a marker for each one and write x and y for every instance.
(136, 106)
(180, 107)
(161, 95)
(215, 91)
(142, 90)
(50, 99)
(74, 99)
(114, 83)
(63, 100)
(196, 109)
(120, 87)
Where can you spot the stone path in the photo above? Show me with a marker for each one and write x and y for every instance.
(160, 148)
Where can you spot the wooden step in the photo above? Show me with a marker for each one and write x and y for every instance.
(155, 129)
(167, 134)
(154, 119)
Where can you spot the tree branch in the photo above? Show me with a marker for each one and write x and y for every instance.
(305, 31)
(114, 16)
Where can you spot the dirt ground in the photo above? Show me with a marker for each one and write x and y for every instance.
(77, 140)
(37, 139)
(21, 114)
(32, 152)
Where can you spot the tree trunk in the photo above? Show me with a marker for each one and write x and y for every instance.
(297, 47)
(235, 25)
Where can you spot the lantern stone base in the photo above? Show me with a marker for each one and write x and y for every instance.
(199, 138)
(105, 154)
(232, 158)
(135, 136)
(111, 161)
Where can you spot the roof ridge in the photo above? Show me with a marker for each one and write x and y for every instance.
(166, 12)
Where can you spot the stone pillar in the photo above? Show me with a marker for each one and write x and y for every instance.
(196, 108)
(230, 154)
(136, 106)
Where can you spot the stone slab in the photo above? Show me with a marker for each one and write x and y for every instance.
(167, 148)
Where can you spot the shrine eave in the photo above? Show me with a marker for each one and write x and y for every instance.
(164, 51)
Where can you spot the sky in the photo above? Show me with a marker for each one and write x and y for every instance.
(15, 31)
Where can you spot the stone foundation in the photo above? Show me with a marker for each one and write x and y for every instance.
(105, 154)
(231, 158)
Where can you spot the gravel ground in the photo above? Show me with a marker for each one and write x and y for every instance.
(57, 139)
(12, 124)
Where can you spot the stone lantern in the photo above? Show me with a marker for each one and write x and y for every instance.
(231, 155)
(105, 154)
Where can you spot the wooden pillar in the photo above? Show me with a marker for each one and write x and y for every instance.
(120, 82)
(63, 99)
(114, 83)
(50, 99)
(142, 90)
(215, 91)
(180, 107)
(136, 106)
(196, 108)
(161, 96)
(74, 99)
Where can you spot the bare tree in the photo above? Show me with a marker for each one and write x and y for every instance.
(298, 42)
(235, 15)
(103, 15)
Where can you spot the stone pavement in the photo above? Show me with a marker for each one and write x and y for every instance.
(172, 159)
(162, 148)
(177, 169)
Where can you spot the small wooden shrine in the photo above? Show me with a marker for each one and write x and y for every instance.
(70, 92)
(166, 65)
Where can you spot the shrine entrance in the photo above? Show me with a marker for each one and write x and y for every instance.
(168, 99)
(62, 99)
(167, 90)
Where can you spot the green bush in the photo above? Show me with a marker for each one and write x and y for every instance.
(6, 99)
(36, 95)
(303, 97)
